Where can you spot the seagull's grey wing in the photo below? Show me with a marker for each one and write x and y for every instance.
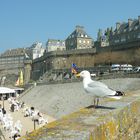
(97, 84)
(99, 89)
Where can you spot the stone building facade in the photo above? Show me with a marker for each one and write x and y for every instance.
(102, 38)
(35, 51)
(14, 60)
(79, 39)
(125, 32)
(55, 45)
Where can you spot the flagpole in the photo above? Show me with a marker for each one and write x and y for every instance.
(73, 70)
(71, 73)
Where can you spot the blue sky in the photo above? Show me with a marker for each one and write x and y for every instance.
(23, 22)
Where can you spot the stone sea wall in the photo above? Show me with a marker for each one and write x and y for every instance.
(112, 120)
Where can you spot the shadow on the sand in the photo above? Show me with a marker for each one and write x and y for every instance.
(100, 107)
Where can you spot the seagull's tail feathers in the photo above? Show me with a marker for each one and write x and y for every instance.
(115, 97)
(119, 93)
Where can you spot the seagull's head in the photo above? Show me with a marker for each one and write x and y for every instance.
(84, 74)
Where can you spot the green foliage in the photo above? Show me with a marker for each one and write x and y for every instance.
(99, 35)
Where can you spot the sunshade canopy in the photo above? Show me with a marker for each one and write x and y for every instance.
(4, 90)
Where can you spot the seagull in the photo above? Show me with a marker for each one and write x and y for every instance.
(96, 88)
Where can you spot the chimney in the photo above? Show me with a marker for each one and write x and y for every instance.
(139, 19)
(118, 24)
(130, 21)
(79, 27)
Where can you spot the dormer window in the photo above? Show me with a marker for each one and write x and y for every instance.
(82, 35)
(118, 32)
(85, 35)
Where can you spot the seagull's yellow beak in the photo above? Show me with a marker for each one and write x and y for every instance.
(78, 75)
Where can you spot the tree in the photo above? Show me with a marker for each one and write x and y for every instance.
(99, 35)
(107, 34)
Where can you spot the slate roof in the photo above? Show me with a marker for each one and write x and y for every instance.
(125, 26)
(78, 33)
(13, 52)
(55, 42)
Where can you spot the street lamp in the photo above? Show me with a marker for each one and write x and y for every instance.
(44, 66)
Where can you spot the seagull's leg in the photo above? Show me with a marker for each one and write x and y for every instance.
(97, 102)
(94, 102)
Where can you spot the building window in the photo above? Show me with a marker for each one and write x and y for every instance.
(138, 35)
(80, 41)
(82, 35)
(123, 39)
(84, 41)
(136, 27)
(88, 41)
(71, 43)
(85, 35)
(116, 41)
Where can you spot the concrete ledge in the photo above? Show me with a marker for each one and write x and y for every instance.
(113, 120)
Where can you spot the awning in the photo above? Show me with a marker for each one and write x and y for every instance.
(4, 90)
